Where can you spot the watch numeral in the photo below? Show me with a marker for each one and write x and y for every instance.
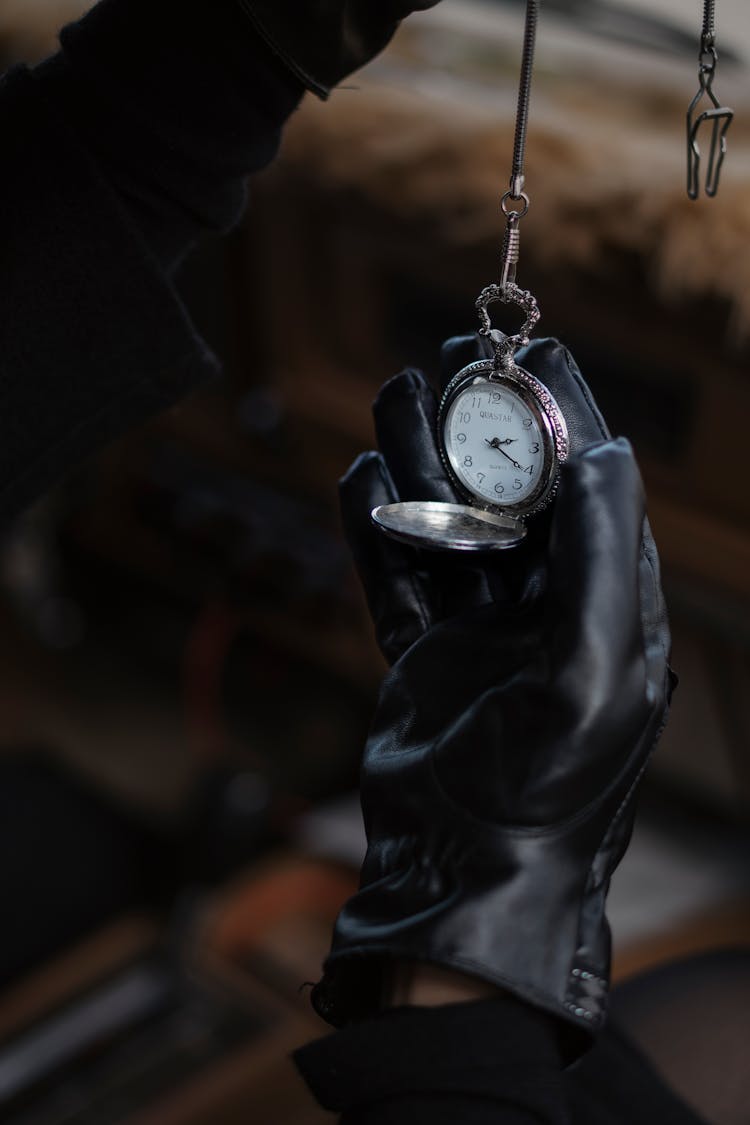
(461, 438)
(480, 477)
(468, 461)
(499, 489)
(465, 417)
(534, 447)
(527, 423)
(529, 470)
(495, 397)
(517, 484)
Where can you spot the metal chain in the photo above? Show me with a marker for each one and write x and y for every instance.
(515, 194)
(709, 28)
(514, 205)
(524, 98)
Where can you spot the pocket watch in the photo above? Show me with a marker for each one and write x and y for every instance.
(502, 438)
(501, 434)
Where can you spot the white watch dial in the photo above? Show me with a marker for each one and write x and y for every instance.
(495, 444)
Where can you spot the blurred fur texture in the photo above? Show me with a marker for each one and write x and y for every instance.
(606, 179)
(28, 28)
(606, 171)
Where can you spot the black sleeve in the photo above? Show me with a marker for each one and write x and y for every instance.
(178, 102)
(116, 154)
(490, 1062)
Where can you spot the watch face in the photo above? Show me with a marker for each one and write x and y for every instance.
(502, 438)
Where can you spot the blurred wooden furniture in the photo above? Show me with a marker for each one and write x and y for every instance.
(132, 1029)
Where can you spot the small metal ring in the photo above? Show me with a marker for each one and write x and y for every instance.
(707, 60)
(507, 211)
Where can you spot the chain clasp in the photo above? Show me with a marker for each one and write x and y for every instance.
(505, 347)
(720, 118)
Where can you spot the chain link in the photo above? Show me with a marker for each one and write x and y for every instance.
(515, 195)
(524, 98)
(709, 27)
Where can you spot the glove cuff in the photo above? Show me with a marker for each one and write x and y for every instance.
(541, 936)
(352, 988)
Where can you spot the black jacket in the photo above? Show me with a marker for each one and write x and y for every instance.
(117, 154)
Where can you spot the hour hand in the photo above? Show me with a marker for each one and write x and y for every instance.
(496, 443)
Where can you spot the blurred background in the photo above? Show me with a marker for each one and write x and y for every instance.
(187, 667)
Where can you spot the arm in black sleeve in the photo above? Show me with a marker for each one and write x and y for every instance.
(488, 1062)
(117, 153)
(178, 103)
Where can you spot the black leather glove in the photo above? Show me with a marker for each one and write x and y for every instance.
(410, 590)
(499, 777)
(323, 41)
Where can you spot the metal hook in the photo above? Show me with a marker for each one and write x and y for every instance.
(720, 117)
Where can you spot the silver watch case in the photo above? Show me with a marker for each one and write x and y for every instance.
(480, 525)
(547, 414)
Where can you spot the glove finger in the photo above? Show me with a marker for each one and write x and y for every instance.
(549, 361)
(553, 364)
(405, 415)
(406, 424)
(407, 590)
(595, 554)
(397, 591)
(459, 352)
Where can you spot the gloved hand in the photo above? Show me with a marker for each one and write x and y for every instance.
(499, 777)
(323, 41)
(408, 590)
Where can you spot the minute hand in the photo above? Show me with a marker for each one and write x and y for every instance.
(512, 461)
